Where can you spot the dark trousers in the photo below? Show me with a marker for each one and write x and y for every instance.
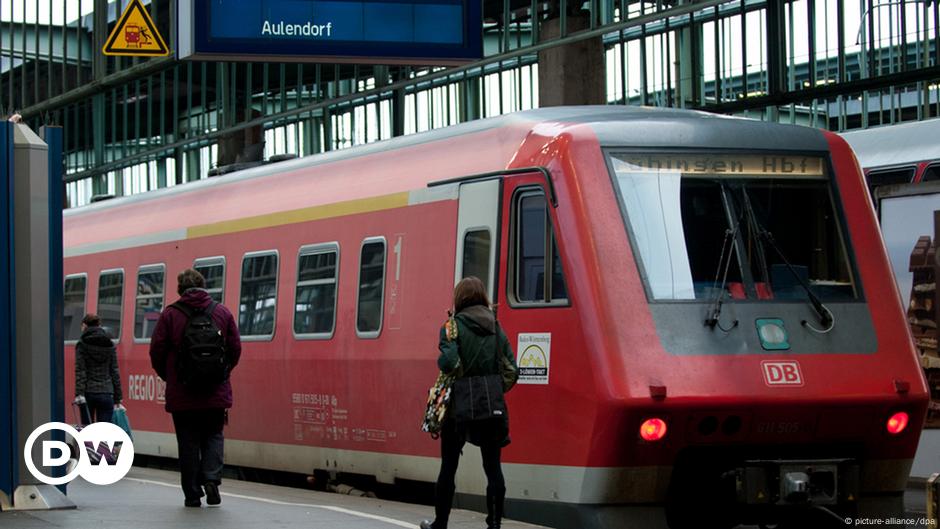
(200, 442)
(452, 443)
(100, 407)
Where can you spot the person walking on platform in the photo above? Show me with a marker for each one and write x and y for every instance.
(473, 344)
(97, 377)
(194, 347)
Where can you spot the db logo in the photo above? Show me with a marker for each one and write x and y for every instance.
(105, 453)
(782, 373)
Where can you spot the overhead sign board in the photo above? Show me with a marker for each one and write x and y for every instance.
(135, 34)
(433, 32)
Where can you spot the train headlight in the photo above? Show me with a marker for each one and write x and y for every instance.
(653, 429)
(897, 423)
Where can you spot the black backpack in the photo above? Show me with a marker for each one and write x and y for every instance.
(201, 362)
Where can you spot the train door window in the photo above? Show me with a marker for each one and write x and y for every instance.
(73, 309)
(534, 240)
(476, 255)
(371, 288)
(213, 269)
(931, 174)
(315, 297)
(110, 300)
(150, 281)
(256, 308)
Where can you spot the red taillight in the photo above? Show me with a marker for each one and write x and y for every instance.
(897, 423)
(653, 429)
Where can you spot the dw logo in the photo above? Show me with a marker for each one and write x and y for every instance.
(782, 373)
(105, 453)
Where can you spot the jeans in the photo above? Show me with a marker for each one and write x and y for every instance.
(200, 443)
(100, 407)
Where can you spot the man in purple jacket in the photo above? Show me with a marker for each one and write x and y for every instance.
(199, 413)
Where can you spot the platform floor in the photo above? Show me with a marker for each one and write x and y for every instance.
(152, 499)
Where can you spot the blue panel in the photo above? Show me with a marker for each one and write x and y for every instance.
(9, 462)
(53, 138)
(411, 31)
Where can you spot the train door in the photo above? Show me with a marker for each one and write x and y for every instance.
(477, 229)
(535, 310)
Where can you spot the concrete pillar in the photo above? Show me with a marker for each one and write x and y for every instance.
(571, 74)
(31, 228)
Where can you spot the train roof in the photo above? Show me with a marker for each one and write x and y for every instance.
(661, 128)
(894, 145)
(405, 164)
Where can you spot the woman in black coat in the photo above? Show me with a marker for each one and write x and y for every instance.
(97, 378)
(473, 344)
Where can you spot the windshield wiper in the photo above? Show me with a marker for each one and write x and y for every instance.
(711, 320)
(715, 312)
(825, 315)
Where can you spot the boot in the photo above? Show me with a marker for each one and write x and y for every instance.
(444, 499)
(494, 507)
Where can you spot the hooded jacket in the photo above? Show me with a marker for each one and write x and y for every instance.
(165, 347)
(96, 365)
(481, 347)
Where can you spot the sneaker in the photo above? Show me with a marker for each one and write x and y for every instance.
(212, 494)
(193, 503)
(427, 524)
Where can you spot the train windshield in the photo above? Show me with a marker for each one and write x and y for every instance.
(748, 227)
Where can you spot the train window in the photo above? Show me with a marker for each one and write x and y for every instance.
(476, 255)
(74, 306)
(533, 232)
(213, 269)
(737, 226)
(315, 297)
(256, 308)
(110, 299)
(149, 300)
(884, 177)
(932, 173)
(371, 288)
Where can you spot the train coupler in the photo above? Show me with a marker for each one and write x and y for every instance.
(804, 482)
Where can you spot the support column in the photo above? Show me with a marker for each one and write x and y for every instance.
(398, 113)
(776, 53)
(9, 457)
(689, 66)
(571, 74)
(31, 266)
(470, 99)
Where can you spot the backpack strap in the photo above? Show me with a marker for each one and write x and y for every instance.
(184, 308)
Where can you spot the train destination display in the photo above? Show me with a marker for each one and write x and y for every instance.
(380, 31)
(708, 164)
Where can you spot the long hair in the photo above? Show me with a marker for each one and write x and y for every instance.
(470, 291)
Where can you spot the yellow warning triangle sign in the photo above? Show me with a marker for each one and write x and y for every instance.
(135, 34)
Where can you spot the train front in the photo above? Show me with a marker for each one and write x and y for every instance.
(774, 377)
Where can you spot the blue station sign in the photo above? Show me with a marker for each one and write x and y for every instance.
(364, 31)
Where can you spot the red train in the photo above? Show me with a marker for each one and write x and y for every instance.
(701, 308)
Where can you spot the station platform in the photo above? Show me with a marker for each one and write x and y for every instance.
(152, 499)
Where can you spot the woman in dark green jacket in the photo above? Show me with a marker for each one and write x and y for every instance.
(473, 344)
